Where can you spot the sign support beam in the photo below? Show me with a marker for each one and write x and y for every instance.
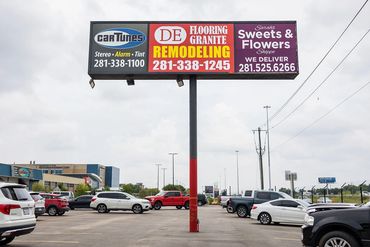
(193, 173)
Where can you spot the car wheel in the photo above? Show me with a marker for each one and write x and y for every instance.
(102, 208)
(265, 218)
(6, 240)
(200, 204)
(338, 239)
(157, 205)
(179, 207)
(186, 206)
(137, 209)
(230, 209)
(242, 211)
(52, 211)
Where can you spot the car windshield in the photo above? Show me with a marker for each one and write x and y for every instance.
(36, 197)
(161, 193)
(130, 196)
(286, 195)
(304, 203)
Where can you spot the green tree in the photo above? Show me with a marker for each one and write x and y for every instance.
(38, 187)
(130, 188)
(62, 187)
(285, 190)
(174, 187)
(82, 189)
(106, 188)
(148, 192)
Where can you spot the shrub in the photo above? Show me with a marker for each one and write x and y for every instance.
(38, 187)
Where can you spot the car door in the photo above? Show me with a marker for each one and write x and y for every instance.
(123, 201)
(177, 200)
(169, 199)
(83, 202)
(292, 213)
(275, 210)
(108, 199)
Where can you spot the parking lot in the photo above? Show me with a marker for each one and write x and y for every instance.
(166, 227)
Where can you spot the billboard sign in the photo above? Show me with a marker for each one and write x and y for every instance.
(327, 180)
(22, 172)
(208, 189)
(210, 50)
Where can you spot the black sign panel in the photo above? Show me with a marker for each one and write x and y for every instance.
(118, 48)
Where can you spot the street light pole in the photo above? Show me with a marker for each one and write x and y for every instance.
(164, 175)
(268, 143)
(173, 167)
(158, 165)
(237, 171)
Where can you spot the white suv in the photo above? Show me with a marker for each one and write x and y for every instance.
(103, 202)
(16, 212)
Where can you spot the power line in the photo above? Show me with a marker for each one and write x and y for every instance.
(323, 116)
(327, 77)
(318, 65)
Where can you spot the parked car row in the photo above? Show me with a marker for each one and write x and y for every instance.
(324, 224)
(19, 207)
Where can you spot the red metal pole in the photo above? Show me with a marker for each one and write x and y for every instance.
(193, 173)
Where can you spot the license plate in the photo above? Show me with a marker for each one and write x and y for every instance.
(26, 211)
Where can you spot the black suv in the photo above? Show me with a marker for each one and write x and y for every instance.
(202, 199)
(342, 227)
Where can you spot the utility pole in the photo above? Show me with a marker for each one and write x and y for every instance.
(260, 157)
(164, 175)
(225, 180)
(268, 143)
(173, 167)
(237, 171)
(158, 165)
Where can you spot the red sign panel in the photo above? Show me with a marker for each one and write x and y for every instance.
(191, 48)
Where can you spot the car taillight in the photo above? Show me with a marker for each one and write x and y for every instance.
(5, 208)
(254, 206)
(93, 199)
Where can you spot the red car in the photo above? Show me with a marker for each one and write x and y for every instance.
(169, 198)
(54, 204)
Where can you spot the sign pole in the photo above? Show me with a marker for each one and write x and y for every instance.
(194, 223)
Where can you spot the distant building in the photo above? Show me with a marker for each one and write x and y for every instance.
(70, 175)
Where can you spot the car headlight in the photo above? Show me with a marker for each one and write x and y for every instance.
(309, 220)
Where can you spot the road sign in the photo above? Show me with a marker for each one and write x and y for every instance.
(327, 180)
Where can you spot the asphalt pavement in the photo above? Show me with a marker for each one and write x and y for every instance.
(162, 228)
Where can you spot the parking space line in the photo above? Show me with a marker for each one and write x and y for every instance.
(282, 232)
(47, 241)
(68, 233)
(288, 239)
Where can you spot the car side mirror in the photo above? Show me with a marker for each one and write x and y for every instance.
(300, 207)
(165, 196)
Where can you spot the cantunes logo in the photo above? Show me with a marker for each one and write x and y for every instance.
(120, 38)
